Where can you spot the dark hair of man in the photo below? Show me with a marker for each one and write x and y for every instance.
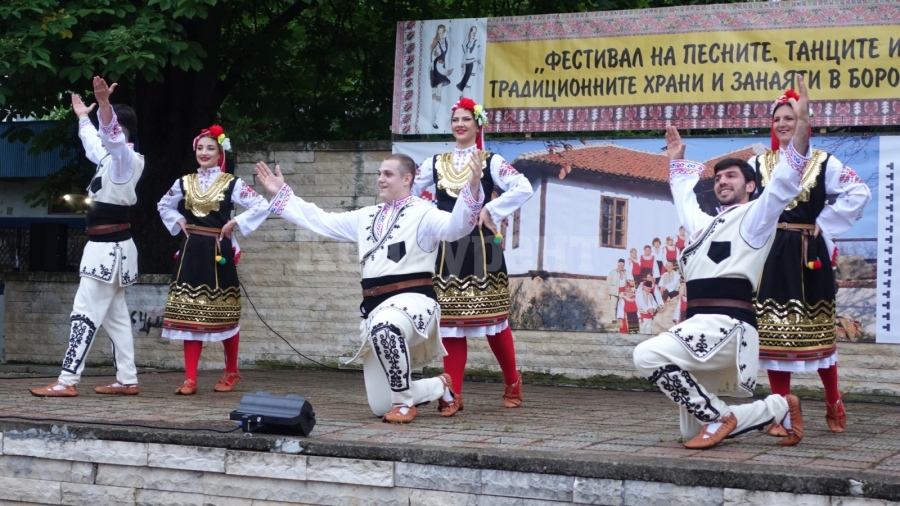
(126, 116)
(648, 284)
(621, 261)
(745, 168)
(407, 164)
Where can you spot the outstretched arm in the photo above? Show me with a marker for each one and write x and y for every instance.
(440, 226)
(338, 226)
(93, 148)
(683, 177)
(111, 135)
(516, 191)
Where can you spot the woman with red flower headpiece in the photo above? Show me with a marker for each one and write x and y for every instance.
(471, 280)
(795, 303)
(204, 303)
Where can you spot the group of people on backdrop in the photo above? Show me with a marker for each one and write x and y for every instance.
(433, 276)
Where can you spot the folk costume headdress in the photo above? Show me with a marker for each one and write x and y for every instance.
(479, 114)
(784, 99)
(216, 133)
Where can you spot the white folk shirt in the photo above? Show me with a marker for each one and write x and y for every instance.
(412, 221)
(852, 195)
(119, 169)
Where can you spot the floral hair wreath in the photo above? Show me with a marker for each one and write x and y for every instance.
(218, 133)
(477, 110)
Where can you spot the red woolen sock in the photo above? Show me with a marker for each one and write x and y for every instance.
(780, 382)
(192, 350)
(505, 352)
(231, 352)
(455, 361)
(830, 382)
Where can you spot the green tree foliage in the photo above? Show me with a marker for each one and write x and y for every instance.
(267, 70)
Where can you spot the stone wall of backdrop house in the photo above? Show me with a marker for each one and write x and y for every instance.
(306, 288)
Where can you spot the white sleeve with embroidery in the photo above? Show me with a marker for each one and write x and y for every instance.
(516, 189)
(440, 225)
(760, 221)
(257, 207)
(113, 139)
(852, 196)
(683, 177)
(168, 208)
(424, 177)
(338, 226)
(90, 139)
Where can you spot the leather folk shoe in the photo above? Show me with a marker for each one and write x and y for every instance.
(189, 387)
(118, 389)
(448, 409)
(228, 382)
(396, 416)
(707, 439)
(795, 433)
(56, 389)
(512, 394)
(777, 430)
(835, 416)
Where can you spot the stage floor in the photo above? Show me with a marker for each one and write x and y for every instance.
(558, 430)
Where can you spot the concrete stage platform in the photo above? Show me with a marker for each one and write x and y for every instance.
(563, 446)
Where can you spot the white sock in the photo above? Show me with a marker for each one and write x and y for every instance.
(448, 397)
(711, 429)
(786, 423)
(403, 409)
(60, 386)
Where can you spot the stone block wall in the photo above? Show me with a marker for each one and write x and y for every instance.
(306, 288)
(41, 468)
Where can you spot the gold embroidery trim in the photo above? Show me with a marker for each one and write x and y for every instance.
(795, 325)
(451, 180)
(807, 182)
(203, 304)
(472, 296)
(202, 203)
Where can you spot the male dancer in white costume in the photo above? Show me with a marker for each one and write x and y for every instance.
(398, 246)
(715, 350)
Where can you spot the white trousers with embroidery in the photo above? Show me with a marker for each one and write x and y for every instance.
(386, 365)
(693, 385)
(98, 303)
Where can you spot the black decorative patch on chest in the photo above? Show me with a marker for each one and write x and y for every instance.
(396, 251)
(96, 184)
(719, 250)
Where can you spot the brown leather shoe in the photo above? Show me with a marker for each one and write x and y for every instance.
(118, 389)
(228, 382)
(777, 430)
(835, 416)
(795, 434)
(189, 387)
(395, 416)
(512, 394)
(448, 409)
(707, 439)
(55, 389)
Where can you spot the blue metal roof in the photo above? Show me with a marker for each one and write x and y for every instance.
(16, 161)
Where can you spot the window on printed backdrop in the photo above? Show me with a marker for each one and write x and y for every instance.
(613, 222)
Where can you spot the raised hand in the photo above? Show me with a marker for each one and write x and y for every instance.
(801, 111)
(78, 107)
(674, 147)
(271, 182)
(102, 91)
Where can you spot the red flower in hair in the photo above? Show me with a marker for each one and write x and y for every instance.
(465, 103)
(216, 131)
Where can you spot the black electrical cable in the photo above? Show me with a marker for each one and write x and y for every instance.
(246, 294)
(115, 424)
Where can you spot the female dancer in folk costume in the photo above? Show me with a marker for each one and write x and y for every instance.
(204, 302)
(796, 301)
(439, 71)
(628, 312)
(471, 279)
(470, 54)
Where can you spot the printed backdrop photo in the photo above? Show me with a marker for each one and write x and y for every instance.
(597, 202)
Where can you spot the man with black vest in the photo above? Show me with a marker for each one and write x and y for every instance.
(109, 262)
(716, 349)
(398, 247)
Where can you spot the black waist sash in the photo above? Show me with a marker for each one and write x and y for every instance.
(722, 288)
(101, 213)
(370, 303)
